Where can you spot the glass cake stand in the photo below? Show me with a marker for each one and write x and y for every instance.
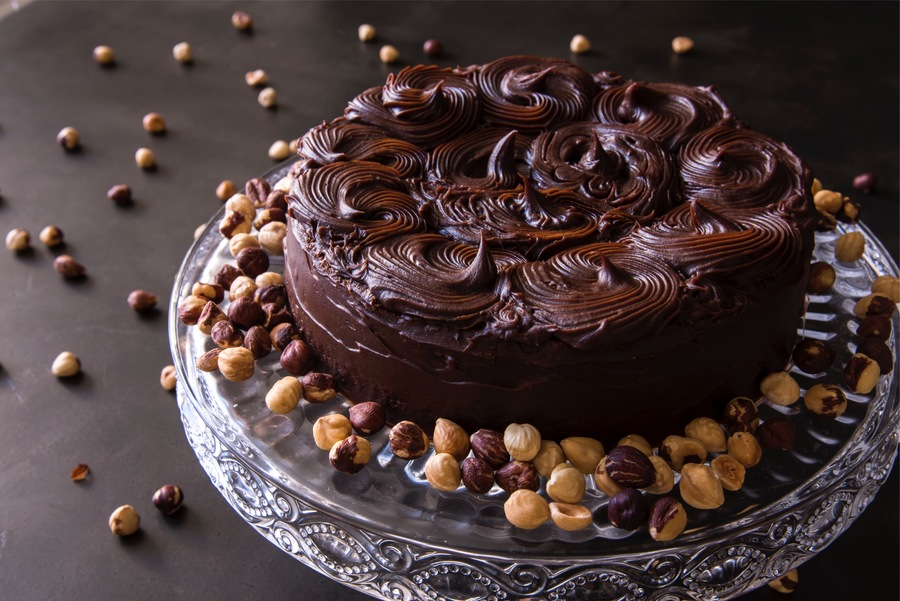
(387, 533)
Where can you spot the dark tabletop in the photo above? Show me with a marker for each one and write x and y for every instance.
(822, 77)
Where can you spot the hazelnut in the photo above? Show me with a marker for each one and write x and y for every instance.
(269, 278)
(104, 55)
(267, 98)
(318, 387)
(276, 198)
(366, 33)
(682, 44)
(167, 378)
(350, 455)
(874, 304)
(708, 431)
(252, 261)
(700, 488)
(236, 363)
(241, 21)
(828, 201)
(449, 437)
(729, 471)
(124, 521)
(239, 242)
(583, 452)
(849, 212)
(549, 456)
(225, 190)
(879, 353)
(209, 317)
(68, 138)
(257, 189)
(276, 295)
(52, 236)
(744, 447)
(407, 440)
(680, 450)
(433, 47)
(861, 374)
(142, 301)
(330, 429)
(213, 292)
(233, 223)
(488, 445)
(812, 356)
(826, 399)
(190, 309)
(226, 276)
(242, 203)
(256, 78)
(245, 312)
(388, 54)
(279, 150)
(668, 519)
(570, 517)
(226, 335)
(816, 186)
(241, 286)
(168, 499)
(875, 326)
(865, 182)
(888, 285)
(477, 475)
(607, 485)
(629, 467)
(786, 583)
(526, 509)
(120, 194)
(579, 44)
(144, 158)
(516, 475)
(66, 365)
(821, 278)
(777, 433)
(209, 361)
(367, 418)
(182, 52)
(297, 358)
(522, 441)
(566, 485)
(825, 222)
(267, 216)
(637, 441)
(68, 267)
(780, 388)
(627, 509)
(271, 237)
(274, 315)
(18, 240)
(154, 123)
(282, 335)
(665, 477)
(740, 415)
(442, 471)
(258, 342)
(850, 247)
(284, 396)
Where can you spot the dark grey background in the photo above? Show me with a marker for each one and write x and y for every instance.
(823, 77)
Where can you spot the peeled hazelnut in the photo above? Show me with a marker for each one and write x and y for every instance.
(168, 499)
(124, 521)
(388, 54)
(522, 441)
(271, 237)
(142, 301)
(629, 467)
(888, 285)
(279, 150)
(407, 440)
(566, 485)
(812, 356)
(318, 387)
(167, 378)
(816, 186)
(549, 456)
(786, 583)
(828, 201)
(477, 475)
(744, 447)
(330, 429)
(154, 123)
(821, 278)
(209, 361)
(488, 445)
(225, 190)
(297, 358)
(637, 441)
(51, 236)
(678, 451)
(243, 203)
(350, 455)
(68, 138)
(740, 415)
(516, 475)
(241, 21)
(18, 240)
(570, 517)
(284, 396)
(682, 44)
(258, 342)
(861, 374)
(729, 471)
(450, 438)
(236, 363)
(526, 509)
(267, 98)
(780, 388)
(256, 78)
(874, 304)
(239, 242)
(367, 418)
(225, 334)
(68, 267)
(607, 485)
(579, 44)
(583, 452)
(777, 433)
(708, 431)
(66, 365)
(182, 52)
(879, 353)
(269, 278)
(144, 158)
(442, 472)
(665, 477)
(700, 488)
(826, 399)
(850, 247)
(366, 33)
(627, 509)
(875, 326)
(668, 519)
(104, 55)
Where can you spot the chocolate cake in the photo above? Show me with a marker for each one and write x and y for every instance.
(524, 242)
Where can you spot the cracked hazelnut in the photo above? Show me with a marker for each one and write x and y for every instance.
(700, 488)
(708, 431)
(318, 387)
(191, 308)
(629, 467)
(729, 471)
(780, 388)
(271, 237)
(570, 517)
(879, 353)
(821, 278)
(637, 441)
(786, 583)
(167, 378)
(284, 395)
(566, 485)
(168, 499)
(234, 223)
(236, 363)
(826, 400)
(18, 239)
(142, 301)
(245, 312)
(861, 374)
(297, 358)
(874, 304)
(51, 236)
(777, 433)
(442, 471)
(367, 418)
(124, 521)
(252, 261)
(627, 509)
(213, 292)
(477, 475)
(68, 267)
(407, 440)
(812, 356)
(583, 452)
(66, 365)
(488, 445)
(226, 335)
(516, 475)
(209, 361)
(607, 485)
(239, 242)
(740, 415)
(226, 276)
(330, 429)
(668, 519)
(744, 447)
(888, 285)
(351, 454)
(850, 247)
(875, 326)
(665, 477)
(522, 441)
(526, 509)
(258, 342)
(678, 451)
(449, 437)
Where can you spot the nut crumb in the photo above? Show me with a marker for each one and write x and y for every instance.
(80, 472)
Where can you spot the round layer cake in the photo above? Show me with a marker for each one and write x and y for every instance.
(524, 242)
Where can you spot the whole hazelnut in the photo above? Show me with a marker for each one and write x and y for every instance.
(279, 150)
(816, 186)
(526, 509)
(887, 285)
(274, 314)
(154, 123)
(665, 477)
(449, 437)
(821, 278)
(607, 485)
(637, 441)
(627, 509)
(257, 189)
(433, 47)
(729, 471)
(226, 276)
(865, 182)
(282, 335)
(256, 78)
(516, 475)
(522, 441)
(570, 517)
(167, 378)
(583, 452)
(777, 433)
(477, 475)
(668, 519)
(828, 201)
(744, 447)
(245, 312)
(124, 521)
(812, 356)
(366, 33)
(700, 488)
(144, 158)
(330, 429)
(182, 52)
(142, 301)
(235, 222)
(708, 431)
(488, 445)
(277, 200)
(850, 247)
(258, 342)
(549, 456)
(271, 237)
(226, 334)
(267, 98)
(243, 204)
(241, 286)
(239, 242)
(168, 499)
(740, 415)
(826, 400)
(225, 190)
(861, 374)
(879, 352)
(874, 304)
(786, 583)
(209, 317)
(269, 278)
(350, 455)
(629, 467)
(236, 363)
(252, 261)
(875, 326)
(68, 267)
(579, 44)
(274, 294)
(682, 44)
(297, 358)
(213, 292)
(388, 54)
(52, 236)
(318, 387)
(209, 361)
(442, 471)
(241, 21)
(267, 216)
(69, 139)
(368, 417)
(849, 212)
(190, 309)
(284, 396)
(66, 365)
(566, 485)
(104, 55)
(18, 240)
(679, 451)
(407, 440)
(780, 388)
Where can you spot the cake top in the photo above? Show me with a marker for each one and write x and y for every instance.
(526, 198)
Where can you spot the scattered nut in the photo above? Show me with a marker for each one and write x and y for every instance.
(740, 415)
(488, 445)
(522, 441)
(368, 418)
(388, 54)
(477, 475)
(236, 363)
(68, 267)
(850, 247)
(271, 237)
(297, 358)
(526, 509)
(865, 182)
(225, 190)
(282, 335)
(700, 488)
(629, 467)
(154, 123)
(279, 150)
(665, 477)
(124, 521)
(780, 388)
(583, 452)
(821, 278)
(433, 47)
(144, 158)
(168, 499)
(120, 194)
(318, 387)
(52, 236)
(66, 365)
(18, 239)
(875, 326)
(167, 378)
(607, 485)
(330, 429)
(579, 44)
(80, 472)
(351, 454)
(828, 201)
(449, 437)
(786, 583)
(209, 317)
(812, 356)
(874, 304)
(570, 517)
(826, 399)
(627, 509)
(104, 55)
(242, 22)
(777, 433)
(887, 285)
(256, 78)
(682, 44)
(442, 471)
(729, 471)
(284, 395)
(407, 440)
(744, 448)
(549, 456)
(678, 451)
(267, 98)
(366, 33)
(142, 301)
(516, 475)
(861, 374)
(209, 361)
(879, 352)
(668, 519)
(708, 431)
(68, 138)
(566, 485)
(637, 441)
(182, 52)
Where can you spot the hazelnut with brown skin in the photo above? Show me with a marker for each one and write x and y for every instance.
(875, 326)
(878, 352)
(861, 374)
(252, 261)
(318, 387)
(168, 499)
(209, 317)
(821, 278)
(226, 276)
(241, 21)
(142, 301)
(225, 190)
(69, 139)
(740, 415)
(629, 467)
(154, 123)
(257, 190)
(267, 216)
(627, 509)
(226, 335)
(282, 335)
(367, 418)
(517, 475)
(777, 433)
(209, 361)
(236, 363)
(297, 358)
(213, 292)
(477, 475)
(233, 223)
(826, 400)
(407, 440)
(190, 309)
(274, 315)
(245, 313)
(668, 519)
(350, 455)
(874, 304)
(488, 445)
(812, 356)
(274, 294)
(258, 342)
(442, 471)
(68, 267)
(449, 437)
(786, 583)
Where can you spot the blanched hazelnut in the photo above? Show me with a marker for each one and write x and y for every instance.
(124, 521)
(526, 509)
(269, 278)
(828, 201)
(242, 286)
(681, 450)
(816, 186)
(566, 485)
(388, 54)
(549, 456)
(888, 285)
(668, 519)
(744, 447)
(637, 441)
(665, 477)
(329, 429)
(256, 78)
(236, 363)
(239, 242)
(279, 150)
(826, 399)
(570, 517)
(367, 418)
(442, 471)
(271, 237)
(366, 33)
(241, 21)
(66, 365)
(182, 52)
(267, 98)
(450, 438)
(407, 440)
(583, 452)
(243, 204)
(144, 158)
(579, 44)
(700, 488)
(607, 485)
(682, 44)
(708, 431)
(780, 388)
(729, 471)
(225, 190)
(167, 378)
(522, 441)
(850, 247)
(350, 455)
(284, 396)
